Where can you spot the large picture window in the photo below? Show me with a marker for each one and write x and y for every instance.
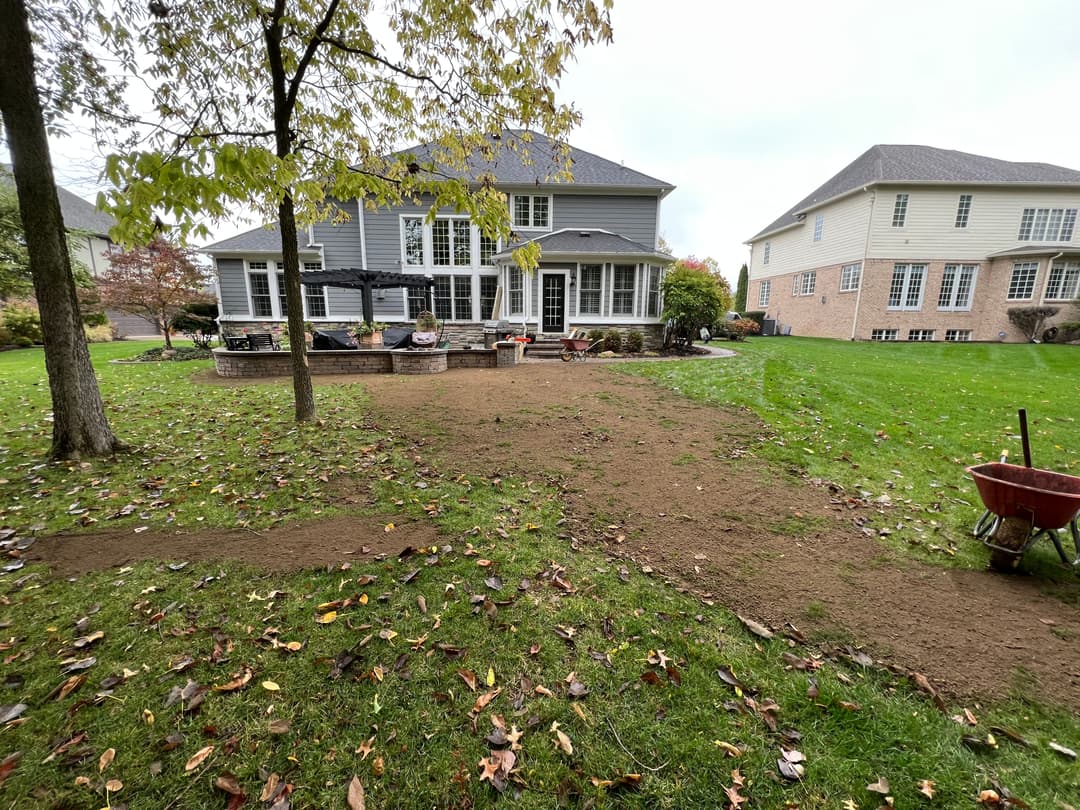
(1063, 284)
(906, 290)
(589, 289)
(957, 287)
(622, 290)
(1022, 283)
(1047, 225)
(450, 243)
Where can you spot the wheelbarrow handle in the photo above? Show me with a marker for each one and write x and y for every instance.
(1025, 442)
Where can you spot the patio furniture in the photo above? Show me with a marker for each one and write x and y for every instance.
(237, 343)
(262, 342)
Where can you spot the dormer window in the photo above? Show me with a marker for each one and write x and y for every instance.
(531, 210)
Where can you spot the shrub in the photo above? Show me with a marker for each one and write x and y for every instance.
(693, 298)
(1030, 320)
(102, 333)
(612, 340)
(20, 324)
(756, 315)
(634, 342)
(738, 330)
(180, 353)
(1068, 332)
(595, 335)
(197, 321)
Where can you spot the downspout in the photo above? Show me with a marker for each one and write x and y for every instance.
(862, 272)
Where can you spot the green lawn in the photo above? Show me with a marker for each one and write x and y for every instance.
(440, 658)
(901, 420)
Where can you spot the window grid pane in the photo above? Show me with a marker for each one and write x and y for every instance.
(965, 287)
(488, 248)
(463, 298)
(1025, 224)
(1022, 283)
(440, 243)
(517, 291)
(1064, 282)
(488, 285)
(652, 306)
(462, 243)
(417, 302)
(920, 334)
(1068, 225)
(589, 289)
(260, 295)
(958, 335)
(914, 290)
(315, 298)
(809, 282)
(883, 334)
(819, 227)
(765, 255)
(443, 305)
(283, 306)
(850, 275)
(899, 216)
(963, 209)
(521, 211)
(763, 293)
(540, 212)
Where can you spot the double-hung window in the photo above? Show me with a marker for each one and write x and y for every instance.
(259, 282)
(516, 291)
(850, 275)
(899, 214)
(963, 211)
(652, 298)
(589, 289)
(1022, 283)
(488, 286)
(314, 294)
(531, 210)
(451, 243)
(1063, 284)
(906, 290)
(418, 301)
(453, 298)
(763, 293)
(819, 227)
(804, 283)
(765, 253)
(957, 287)
(1047, 225)
(283, 305)
(488, 248)
(622, 290)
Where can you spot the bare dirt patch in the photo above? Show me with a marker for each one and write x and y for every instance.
(643, 459)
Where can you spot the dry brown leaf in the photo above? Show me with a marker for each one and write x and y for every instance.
(757, 629)
(114, 786)
(378, 767)
(562, 742)
(228, 783)
(239, 681)
(926, 788)
(270, 788)
(469, 677)
(106, 759)
(365, 747)
(355, 798)
(880, 786)
(280, 726)
(198, 759)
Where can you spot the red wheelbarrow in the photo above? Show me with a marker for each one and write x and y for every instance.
(1025, 500)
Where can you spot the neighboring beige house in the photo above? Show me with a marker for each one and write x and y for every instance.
(919, 243)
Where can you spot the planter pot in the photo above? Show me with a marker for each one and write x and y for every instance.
(371, 341)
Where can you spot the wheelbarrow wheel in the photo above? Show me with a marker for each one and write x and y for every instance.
(1003, 561)
(566, 356)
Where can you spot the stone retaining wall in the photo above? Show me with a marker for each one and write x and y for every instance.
(352, 361)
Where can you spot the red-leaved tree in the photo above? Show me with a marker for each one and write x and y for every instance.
(154, 282)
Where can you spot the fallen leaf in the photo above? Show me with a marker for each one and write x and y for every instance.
(228, 783)
(365, 747)
(9, 764)
(280, 726)
(926, 787)
(148, 717)
(239, 681)
(469, 677)
(728, 749)
(270, 788)
(920, 681)
(1068, 753)
(355, 797)
(106, 759)
(755, 628)
(114, 786)
(198, 759)
(270, 686)
(327, 618)
(880, 786)
(562, 742)
(792, 771)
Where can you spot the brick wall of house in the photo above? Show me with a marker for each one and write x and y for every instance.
(826, 313)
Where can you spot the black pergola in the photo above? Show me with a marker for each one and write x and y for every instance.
(367, 280)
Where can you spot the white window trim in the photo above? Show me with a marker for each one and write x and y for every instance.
(1034, 281)
(764, 292)
(903, 306)
(884, 333)
(819, 227)
(1065, 267)
(633, 291)
(857, 274)
(900, 206)
(271, 279)
(474, 258)
(971, 294)
(960, 210)
(765, 253)
(578, 314)
(537, 228)
(425, 243)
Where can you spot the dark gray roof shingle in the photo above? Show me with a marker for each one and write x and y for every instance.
(586, 242)
(264, 239)
(78, 214)
(526, 158)
(893, 163)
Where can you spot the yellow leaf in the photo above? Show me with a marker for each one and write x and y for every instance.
(363, 600)
(327, 618)
(491, 676)
(389, 527)
(148, 717)
(729, 749)
(198, 759)
(270, 686)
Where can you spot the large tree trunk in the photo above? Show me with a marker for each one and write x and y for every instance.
(79, 424)
(290, 257)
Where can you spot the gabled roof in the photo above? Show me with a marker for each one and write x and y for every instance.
(892, 163)
(527, 158)
(1035, 250)
(264, 239)
(78, 214)
(586, 242)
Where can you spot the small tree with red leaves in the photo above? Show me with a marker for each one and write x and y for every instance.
(154, 282)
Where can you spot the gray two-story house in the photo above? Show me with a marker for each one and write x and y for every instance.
(600, 266)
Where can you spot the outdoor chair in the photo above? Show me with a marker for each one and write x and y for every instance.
(237, 343)
(262, 342)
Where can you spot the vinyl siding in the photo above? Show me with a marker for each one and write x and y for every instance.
(341, 242)
(929, 230)
(631, 216)
(233, 287)
(843, 240)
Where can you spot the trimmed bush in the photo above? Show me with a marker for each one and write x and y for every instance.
(1030, 320)
(596, 335)
(633, 342)
(20, 325)
(755, 315)
(612, 340)
(98, 334)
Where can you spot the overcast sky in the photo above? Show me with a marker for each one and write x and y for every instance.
(747, 107)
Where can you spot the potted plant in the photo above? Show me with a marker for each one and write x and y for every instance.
(309, 333)
(369, 334)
